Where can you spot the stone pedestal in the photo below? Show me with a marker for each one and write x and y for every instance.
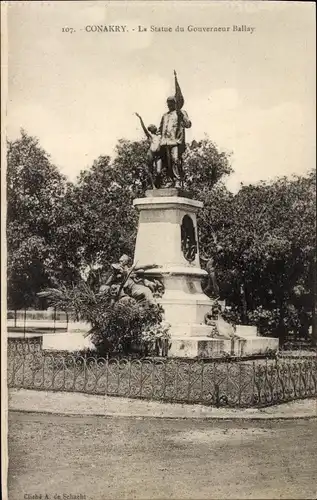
(167, 224)
(159, 232)
(159, 241)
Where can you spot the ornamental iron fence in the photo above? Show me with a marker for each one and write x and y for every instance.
(34, 314)
(36, 322)
(232, 384)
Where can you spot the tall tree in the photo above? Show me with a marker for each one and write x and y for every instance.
(35, 191)
(205, 167)
(99, 217)
(268, 246)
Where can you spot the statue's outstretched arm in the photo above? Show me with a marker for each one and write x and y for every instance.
(145, 130)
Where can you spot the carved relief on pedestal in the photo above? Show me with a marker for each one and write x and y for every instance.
(188, 239)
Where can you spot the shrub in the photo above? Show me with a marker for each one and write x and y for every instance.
(118, 324)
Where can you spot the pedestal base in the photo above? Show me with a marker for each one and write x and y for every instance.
(202, 346)
(195, 347)
(257, 345)
(254, 343)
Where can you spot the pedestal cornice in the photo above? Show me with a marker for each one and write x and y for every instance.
(167, 202)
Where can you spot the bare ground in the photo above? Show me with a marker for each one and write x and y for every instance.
(136, 458)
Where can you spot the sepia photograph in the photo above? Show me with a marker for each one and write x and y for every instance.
(158, 230)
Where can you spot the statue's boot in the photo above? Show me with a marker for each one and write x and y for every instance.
(158, 181)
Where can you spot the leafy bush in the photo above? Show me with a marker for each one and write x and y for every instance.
(123, 327)
(118, 325)
(155, 338)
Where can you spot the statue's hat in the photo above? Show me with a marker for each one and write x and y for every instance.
(171, 98)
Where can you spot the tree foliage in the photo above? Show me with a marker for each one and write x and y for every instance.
(205, 166)
(118, 325)
(35, 193)
(265, 264)
(99, 217)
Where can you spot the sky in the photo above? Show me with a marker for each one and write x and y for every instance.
(253, 94)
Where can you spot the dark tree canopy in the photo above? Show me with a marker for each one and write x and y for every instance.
(35, 194)
(267, 236)
(101, 221)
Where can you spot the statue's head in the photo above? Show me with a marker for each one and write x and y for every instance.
(125, 260)
(171, 103)
(152, 128)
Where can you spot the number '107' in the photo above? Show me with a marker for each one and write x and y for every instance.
(67, 30)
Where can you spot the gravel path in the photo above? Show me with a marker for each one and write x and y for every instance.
(85, 404)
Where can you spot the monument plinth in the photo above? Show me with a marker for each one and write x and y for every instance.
(167, 236)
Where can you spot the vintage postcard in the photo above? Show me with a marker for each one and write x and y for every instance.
(158, 236)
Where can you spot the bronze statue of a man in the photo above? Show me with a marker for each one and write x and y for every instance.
(172, 131)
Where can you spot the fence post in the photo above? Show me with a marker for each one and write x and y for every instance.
(23, 365)
(232, 346)
(253, 383)
(202, 381)
(240, 383)
(54, 319)
(24, 323)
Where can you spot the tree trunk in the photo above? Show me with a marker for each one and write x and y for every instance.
(244, 304)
